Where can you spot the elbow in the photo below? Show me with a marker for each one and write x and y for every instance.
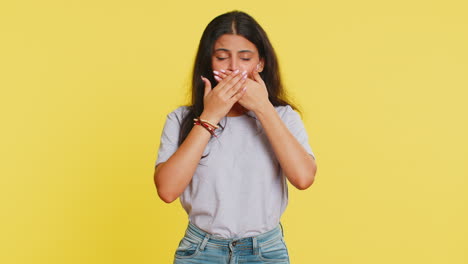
(166, 197)
(305, 184)
(308, 179)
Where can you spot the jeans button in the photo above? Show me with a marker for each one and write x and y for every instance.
(234, 243)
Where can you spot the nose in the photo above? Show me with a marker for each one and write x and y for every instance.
(233, 64)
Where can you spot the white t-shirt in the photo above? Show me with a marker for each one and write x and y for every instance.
(239, 189)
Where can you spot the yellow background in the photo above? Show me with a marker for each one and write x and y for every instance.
(86, 86)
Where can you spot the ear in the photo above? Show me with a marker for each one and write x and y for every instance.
(260, 65)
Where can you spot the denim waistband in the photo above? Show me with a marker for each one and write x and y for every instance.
(200, 235)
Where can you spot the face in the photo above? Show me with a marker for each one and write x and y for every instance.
(234, 52)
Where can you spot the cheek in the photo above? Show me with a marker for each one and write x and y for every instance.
(218, 65)
(251, 69)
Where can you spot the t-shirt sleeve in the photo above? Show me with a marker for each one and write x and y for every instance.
(169, 137)
(293, 121)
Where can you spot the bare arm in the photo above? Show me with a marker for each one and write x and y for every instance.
(173, 176)
(298, 165)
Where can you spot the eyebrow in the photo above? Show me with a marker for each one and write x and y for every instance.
(241, 51)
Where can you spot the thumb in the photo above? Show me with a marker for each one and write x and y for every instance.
(207, 85)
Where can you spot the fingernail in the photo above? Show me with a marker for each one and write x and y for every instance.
(244, 77)
(223, 71)
(216, 72)
(236, 71)
(201, 76)
(245, 88)
(217, 78)
(244, 72)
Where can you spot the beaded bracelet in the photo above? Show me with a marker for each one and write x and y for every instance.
(208, 126)
(214, 126)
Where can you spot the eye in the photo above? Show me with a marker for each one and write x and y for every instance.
(245, 59)
(220, 58)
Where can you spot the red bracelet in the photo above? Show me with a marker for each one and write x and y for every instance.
(206, 126)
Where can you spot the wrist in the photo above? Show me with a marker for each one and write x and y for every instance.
(200, 127)
(206, 124)
(264, 109)
(210, 118)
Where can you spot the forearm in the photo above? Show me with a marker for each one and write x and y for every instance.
(173, 176)
(298, 166)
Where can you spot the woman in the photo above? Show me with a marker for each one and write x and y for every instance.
(229, 167)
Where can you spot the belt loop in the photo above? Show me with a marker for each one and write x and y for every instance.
(205, 240)
(255, 245)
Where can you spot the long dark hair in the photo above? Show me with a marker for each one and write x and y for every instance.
(238, 23)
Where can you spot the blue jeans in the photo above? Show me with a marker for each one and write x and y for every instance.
(198, 246)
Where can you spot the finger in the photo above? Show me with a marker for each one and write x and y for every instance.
(207, 85)
(223, 73)
(228, 81)
(234, 89)
(257, 77)
(220, 74)
(227, 72)
(237, 78)
(239, 95)
(224, 81)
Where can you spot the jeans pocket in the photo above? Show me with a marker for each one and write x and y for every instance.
(187, 248)
(274, 251)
